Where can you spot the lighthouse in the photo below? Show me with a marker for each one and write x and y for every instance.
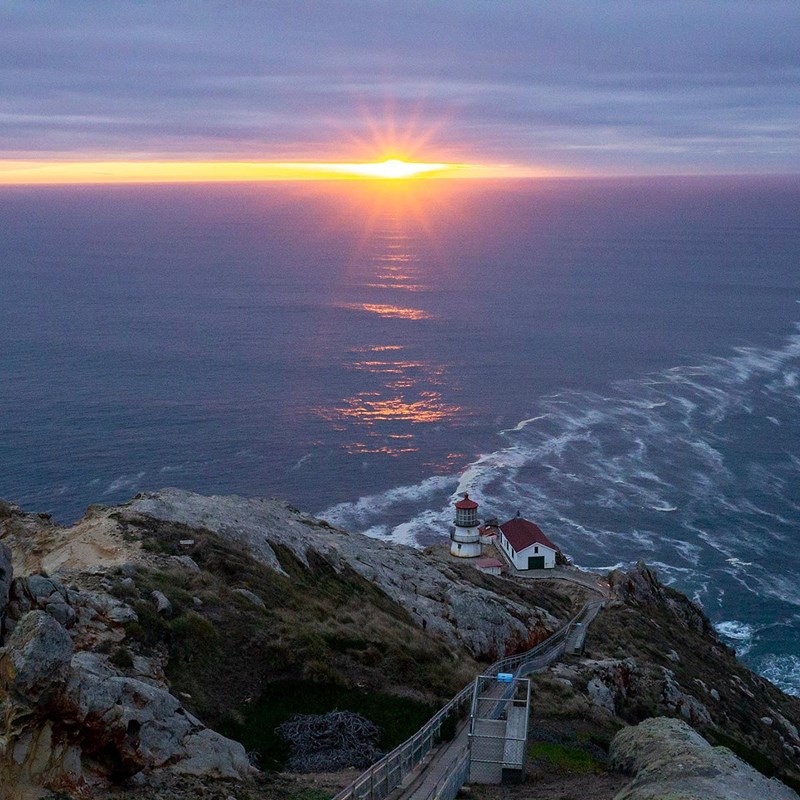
(465, 538)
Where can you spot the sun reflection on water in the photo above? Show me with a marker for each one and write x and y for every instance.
(398, 394)
(369, 408)
(385, 310)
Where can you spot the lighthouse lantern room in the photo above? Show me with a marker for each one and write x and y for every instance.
(465, 538)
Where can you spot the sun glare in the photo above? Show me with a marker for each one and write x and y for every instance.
(68, 172)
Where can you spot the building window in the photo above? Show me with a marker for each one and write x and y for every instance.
(535, 549)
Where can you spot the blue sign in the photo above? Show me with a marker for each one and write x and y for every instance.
(505, 677)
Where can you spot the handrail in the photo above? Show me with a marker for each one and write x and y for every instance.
(388, 773)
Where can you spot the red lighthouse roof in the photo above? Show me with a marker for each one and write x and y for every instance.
(466, 503)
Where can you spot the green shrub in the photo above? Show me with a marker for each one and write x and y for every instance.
(121, 657)
(152, 628)
(321, 672)
(193, 637)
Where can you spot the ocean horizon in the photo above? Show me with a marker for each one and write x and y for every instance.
(618, 359)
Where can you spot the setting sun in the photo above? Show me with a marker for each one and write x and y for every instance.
(394, 168)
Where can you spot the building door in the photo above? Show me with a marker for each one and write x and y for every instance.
(535, 562)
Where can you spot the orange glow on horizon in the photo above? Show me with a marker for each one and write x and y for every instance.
(18, 172)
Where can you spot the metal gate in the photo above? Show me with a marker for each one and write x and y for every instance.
(499, 729)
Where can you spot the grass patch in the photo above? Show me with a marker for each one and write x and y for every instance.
(321, 625)
(397, 717)
(569, 759)
(755, 758)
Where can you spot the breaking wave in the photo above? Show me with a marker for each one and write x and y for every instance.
(689, 468)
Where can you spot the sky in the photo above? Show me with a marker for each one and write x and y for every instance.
(587, 87)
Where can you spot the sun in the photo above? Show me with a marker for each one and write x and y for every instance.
(395, 168)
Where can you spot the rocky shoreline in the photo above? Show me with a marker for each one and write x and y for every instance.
(130, 639)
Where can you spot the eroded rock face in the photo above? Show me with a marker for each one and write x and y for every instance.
(609, 682)
(641, 586)
(71, 721)
(35, 662)
(488, 624)
(6, 576)
(148, 727)
(676, 701)
(38, 592)
(669, 759)
(622, 685)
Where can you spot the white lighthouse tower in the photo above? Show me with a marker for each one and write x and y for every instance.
(465, 538)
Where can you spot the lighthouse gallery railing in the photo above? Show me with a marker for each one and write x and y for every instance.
(387, 774)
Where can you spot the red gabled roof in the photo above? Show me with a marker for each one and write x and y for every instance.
(522, 533)
(489, 562)
(466, 503)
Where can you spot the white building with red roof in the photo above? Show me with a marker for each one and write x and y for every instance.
(491, 566)
(525, 546)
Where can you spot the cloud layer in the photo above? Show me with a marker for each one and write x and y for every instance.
(669, 86)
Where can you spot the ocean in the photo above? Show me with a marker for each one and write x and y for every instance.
(617, 359)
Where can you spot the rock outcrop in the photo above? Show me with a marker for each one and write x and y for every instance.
(654, 653)
(671, 760)
(487, 623)
(70, 721)
(35, 662)
(617, 684)
(6, 576)
(640, 586)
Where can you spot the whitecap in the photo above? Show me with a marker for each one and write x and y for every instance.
(783, 670)
(524, 423)
(376, 532)
(665, 508)
(669, 568)
(624, 565)
(124, 482)
(300, 461)
(741, 634)
(688, 551)
(360, 512)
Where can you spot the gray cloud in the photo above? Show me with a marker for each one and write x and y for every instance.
(617, 86)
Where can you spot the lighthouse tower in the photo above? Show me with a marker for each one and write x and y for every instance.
(465, 538)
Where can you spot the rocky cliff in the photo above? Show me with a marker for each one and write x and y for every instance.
(133, 640)
(123, 632)
(653, 653)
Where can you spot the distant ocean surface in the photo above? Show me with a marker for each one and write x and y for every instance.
(618, 359)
